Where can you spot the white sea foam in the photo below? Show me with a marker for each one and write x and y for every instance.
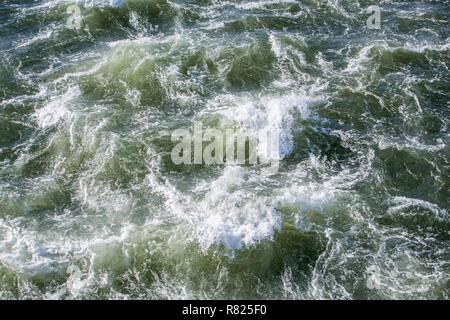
(57, 108)
(234, 217)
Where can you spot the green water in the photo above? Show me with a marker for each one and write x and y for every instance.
(92, 207)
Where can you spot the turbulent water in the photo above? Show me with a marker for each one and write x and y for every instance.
(92, 207)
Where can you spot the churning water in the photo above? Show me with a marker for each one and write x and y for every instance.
(92, 207)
